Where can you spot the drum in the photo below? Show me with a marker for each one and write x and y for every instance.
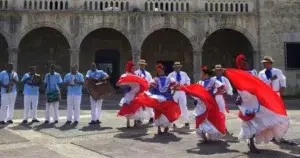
(37, 79)
(99, 90)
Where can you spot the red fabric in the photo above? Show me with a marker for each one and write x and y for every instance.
(134, 79)
(168, 108)
(239, 60)
(128, 109)
(244, 81)
(129, 66)
(246, 118)
(201, 118)
(214, 115)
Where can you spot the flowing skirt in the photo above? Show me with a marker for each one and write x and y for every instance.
(266, 125)
(137, 115)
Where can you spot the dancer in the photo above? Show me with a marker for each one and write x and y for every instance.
(261, 109)
(146, 75)
(210, 121)
(272, 76)
(182, 79)
(130, 90)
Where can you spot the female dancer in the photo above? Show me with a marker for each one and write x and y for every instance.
(261, 109)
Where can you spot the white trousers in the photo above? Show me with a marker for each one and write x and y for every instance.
(30, 103)
(73, 104)
(7, 106)
(180, 98)
(96, 106)
(54, 107)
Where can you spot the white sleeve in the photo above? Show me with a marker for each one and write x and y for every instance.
(188, 80)
(148, 77)
(262, 78)
(282, 78)
(218, 84)
(228, 87)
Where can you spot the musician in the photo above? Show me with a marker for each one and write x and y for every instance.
(8, 81)
(52, 82)
(96, 105)
(32, 82)
(74, 80)
(272, 76)
(179, 96)
(146, 75)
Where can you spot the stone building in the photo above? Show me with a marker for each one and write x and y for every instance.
(110, 32)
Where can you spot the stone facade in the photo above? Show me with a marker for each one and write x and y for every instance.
(195, 32)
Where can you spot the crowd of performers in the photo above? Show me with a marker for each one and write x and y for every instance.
(163, 98)
(261, 108)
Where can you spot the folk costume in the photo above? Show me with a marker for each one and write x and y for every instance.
(261, 109)
(8, 81)
(182, 79)
(147, 76)
(272, 76)
(132, 85)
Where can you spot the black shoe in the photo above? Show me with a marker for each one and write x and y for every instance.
(25, 122)
(68, 122)
(2, 123)
(56, 121)
(151, 120)
(76, 122)
(93, 123)
(98, 122)
(139, 122)
(187, 125)
(46, 122)
(10, 122)
(35, 120)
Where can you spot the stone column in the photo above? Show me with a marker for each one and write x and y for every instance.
(197, 61)
(74, 57)
(13, 57)
(136, 55)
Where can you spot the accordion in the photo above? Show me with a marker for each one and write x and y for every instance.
(53, 96)
(99, 90)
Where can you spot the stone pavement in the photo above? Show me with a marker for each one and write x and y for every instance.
(113, 140)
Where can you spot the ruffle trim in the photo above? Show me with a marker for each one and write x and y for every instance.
(162, 121)
(210, 131)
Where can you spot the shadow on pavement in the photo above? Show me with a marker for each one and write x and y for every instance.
(44, 126)
(131, 133)
(94, 128)
(22, 126)
(66, 127)
(290, 146)
(211, 148)
(165, 138)
(270, 154)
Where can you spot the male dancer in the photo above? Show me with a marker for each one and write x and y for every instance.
(182, 79)
(272, 76)
(96, 105)
(147, 76)
(52, 82)
(74, 80)
(8, 81)
(32, 82)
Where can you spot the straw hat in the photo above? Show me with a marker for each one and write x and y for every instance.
(267, 59)
(177, 64)
(142, 62)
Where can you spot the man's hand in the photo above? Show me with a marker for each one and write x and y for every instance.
(274, 78)
(282, 90)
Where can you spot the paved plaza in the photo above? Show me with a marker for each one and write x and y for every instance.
(113, 140)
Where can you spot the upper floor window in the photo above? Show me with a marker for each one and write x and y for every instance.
(292, 55)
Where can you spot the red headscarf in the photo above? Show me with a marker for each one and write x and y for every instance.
(160, 66)
(239, 60)
(129, 66)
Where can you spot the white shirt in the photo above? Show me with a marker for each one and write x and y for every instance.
(148, 76)
(213, 84)
(227, 84)
(184, 78)
(275, 84)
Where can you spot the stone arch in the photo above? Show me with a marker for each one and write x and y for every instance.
(240, 29)
(4, 46)
(99, 26)
(214, 51)
(167, 45)
(21, 34)
(51, 48)
(182, 30)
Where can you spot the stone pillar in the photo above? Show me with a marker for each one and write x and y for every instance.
(74, 57)
(13, 57)
(136, 55)
(197, 61)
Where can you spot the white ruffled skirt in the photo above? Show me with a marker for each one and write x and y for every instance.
(266, 125)
(209, 130)
(138, 115)
(162, 121)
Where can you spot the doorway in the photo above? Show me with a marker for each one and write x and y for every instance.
(168, 66)
(108, 60)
